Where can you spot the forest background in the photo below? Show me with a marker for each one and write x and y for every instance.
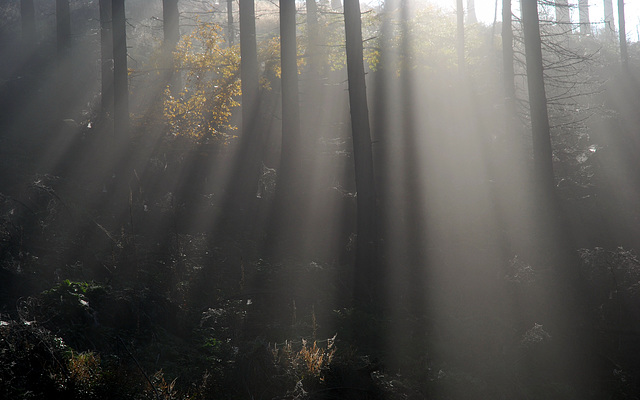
(314, 200)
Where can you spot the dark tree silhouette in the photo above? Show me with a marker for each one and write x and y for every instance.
(171, 30)
(541, 131)
(230, 31)
(120, 72)
(106, 56)
(249, 63)
(290, 104)
(312, 28)
(366, 247)
(508, 73)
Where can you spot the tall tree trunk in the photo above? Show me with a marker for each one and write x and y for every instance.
(460, 35)
(541, 131)
(563, 14)
(106, 58)
(312, 29)
(585, 22)
(508, 73)
(365, 286)
(622, 31)
(230, 31)
(608, 17)
(249, 63)
(171, 30)
(28, 19)
(289, 79)
(288, 189)
(241, 191)
(471, 12)
(120, 73)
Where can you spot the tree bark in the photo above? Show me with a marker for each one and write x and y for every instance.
(120, 72)
(563, 14)
(624, 55)
(608, 17)
(171, 30)
(249, 62)
(312, 29)
(106, 58)
(366, 247)
(230, 31)
(471, 12)
(583, 11)
(508, 72)
(541, 131)
(289, 79)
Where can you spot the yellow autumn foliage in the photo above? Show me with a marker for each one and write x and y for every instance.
(210, 70)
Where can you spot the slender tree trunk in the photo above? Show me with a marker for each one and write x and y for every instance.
(624, 55)
(585, 22)
(241, 192)
(230, 31)
(608, 17)
(289, 74)
(460, 35)
(542, 155)
(365, 289)
(249, 63)
(562, 14)
(508, 73)
(120, 73)
(312, 29)
(106, 56)
(471, 12)
(28, 19)
(171, 30)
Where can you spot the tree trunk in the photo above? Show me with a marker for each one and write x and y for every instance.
(288, 196)
(366, 249)
(471, 12)
(249, 63)
(336, 5)
(541, 131)
(28, 19)
(585, 23)
(460, 35)
(120, 73)
(312, 44)
(608, 17)
(508, 73)
(230, 32)
(106, 58)
(171, 30)
(563, 15)
(289, 79)
(624, 55)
